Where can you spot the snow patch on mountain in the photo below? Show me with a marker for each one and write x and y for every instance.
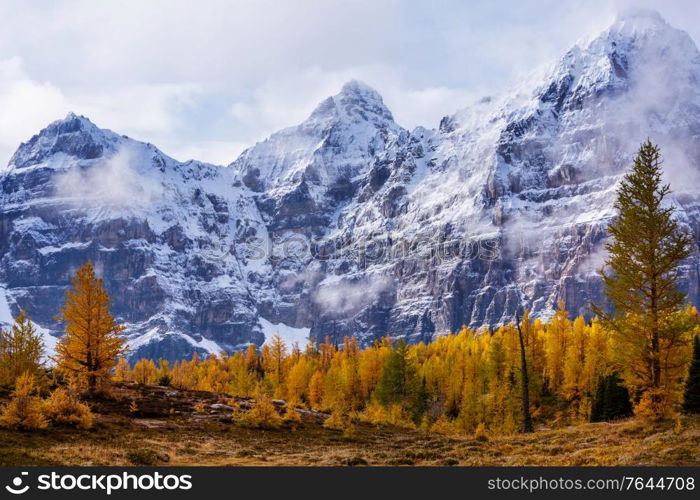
(289, 335)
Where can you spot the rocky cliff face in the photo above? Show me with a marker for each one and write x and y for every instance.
(160, 232)
(349, 224)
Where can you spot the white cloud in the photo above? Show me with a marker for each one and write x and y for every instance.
(112, 182)
(152, 112)
(26, 105)
(140, 108)
(342, 297)
(285, 101)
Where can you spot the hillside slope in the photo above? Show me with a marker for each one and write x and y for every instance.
(155, 435)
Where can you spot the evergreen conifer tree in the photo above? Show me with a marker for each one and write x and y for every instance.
(612, 400)
(397, 382)
(691, 397)
(647, 245)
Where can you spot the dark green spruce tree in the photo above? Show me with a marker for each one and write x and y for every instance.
(611, 401)
(398, 382)
(646, 248)
(420, 399)
(691, 397)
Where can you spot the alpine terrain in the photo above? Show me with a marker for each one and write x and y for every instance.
(348, 224)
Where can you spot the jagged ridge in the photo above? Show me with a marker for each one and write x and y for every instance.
(348, 224)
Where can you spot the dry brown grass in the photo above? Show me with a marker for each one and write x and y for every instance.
(187, 438)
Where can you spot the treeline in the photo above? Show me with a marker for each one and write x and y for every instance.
(457, 384)
(460, 383)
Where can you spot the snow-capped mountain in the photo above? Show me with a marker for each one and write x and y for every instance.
(348, 224)
(160, 232)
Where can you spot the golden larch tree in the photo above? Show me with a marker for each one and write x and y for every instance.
(21, 350)
(144, 372)
(25, 409)
(92, 343)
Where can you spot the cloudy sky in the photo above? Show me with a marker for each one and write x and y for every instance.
(205, 79)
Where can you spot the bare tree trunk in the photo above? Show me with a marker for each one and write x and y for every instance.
(655, 350)
(527, 418)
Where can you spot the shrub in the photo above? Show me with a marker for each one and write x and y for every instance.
(164, 380)
(654, 405)
(291, 414)
(374, 414)
(64, 408)
(443, 426)
(341, 421)
(480, 433)
(263, 415)
(349, 431)
(142, 457)
(335, 421)
(25, 409)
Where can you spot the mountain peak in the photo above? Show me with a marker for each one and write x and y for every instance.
(645, 25)
(356, 101)
(74, 135)
(338, 140)
(641, 37)
(70, 124)
(641, 23)
(360, 90)
(639, 50)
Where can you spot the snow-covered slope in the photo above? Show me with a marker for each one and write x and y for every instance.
(506, 203)
(335, 144)
(348, 224)
(302, 177)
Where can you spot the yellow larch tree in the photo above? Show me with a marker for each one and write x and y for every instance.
(144, 372)
(21, 349)
(25, 409)
(274, 357)
(555, 344)
(316, 390)
(92, 343)
(122, 372)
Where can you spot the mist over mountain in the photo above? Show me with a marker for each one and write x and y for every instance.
(349, 224)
